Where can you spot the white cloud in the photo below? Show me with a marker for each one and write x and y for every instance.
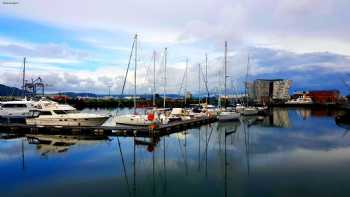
(168, 22)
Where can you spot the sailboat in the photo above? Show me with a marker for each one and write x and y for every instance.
(136, 119)
(248, 110)
(227, 115)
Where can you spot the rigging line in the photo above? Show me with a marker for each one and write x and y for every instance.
(127, 70)
(124, 168)
(182, 83)
(205, 81)
(126, 75)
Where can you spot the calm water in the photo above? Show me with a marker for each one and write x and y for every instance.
(291, 153)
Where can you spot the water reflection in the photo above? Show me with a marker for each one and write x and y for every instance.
(281, 155)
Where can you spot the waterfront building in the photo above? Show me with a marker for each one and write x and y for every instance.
(325, 96)
(265, 91)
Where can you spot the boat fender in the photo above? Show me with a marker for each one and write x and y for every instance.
(150, 117)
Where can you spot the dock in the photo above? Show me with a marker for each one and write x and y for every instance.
(118, 130)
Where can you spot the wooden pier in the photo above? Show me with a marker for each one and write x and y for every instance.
(117, 130)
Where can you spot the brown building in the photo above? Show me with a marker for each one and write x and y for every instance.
(325, 96)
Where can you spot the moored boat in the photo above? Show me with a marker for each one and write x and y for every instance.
(228, 116)
(250, 111)
(59, 117)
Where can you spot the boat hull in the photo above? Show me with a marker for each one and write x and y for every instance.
(91, 121)
(228, 116)
(134, 120)
(250, 112)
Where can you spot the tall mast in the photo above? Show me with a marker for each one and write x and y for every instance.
(246, 81)
(206, 76)
(225, 73)
(154, 78)
(165, 81)
(135, 74)
(24, 77)
(186, 81)
(199, 83)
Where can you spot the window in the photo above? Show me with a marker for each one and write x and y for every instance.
(46, 113)
(70, 111)
(14, 106)
(59, 112)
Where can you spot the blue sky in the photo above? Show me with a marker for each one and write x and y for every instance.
(84, 45)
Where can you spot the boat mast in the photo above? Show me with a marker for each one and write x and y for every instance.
(24, 77)
(246, 81)
(154, 78)
(199, 83)
(206, 76)
(135, 74)
(186, 81)
(165, 81)
(225, 73)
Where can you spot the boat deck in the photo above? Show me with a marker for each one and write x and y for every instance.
(117, 130)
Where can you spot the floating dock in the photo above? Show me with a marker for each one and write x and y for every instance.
(117, 130)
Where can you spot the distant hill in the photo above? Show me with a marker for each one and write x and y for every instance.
(10, 91)
(78, 94)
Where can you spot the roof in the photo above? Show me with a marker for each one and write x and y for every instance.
(271, 80)
(325, 91)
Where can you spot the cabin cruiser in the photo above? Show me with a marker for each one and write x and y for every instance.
(22, 109)
(303, 100)
(16, 111)
(62, 115)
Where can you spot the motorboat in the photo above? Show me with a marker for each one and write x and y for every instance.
(250, 111)
(228, 116)
(16, 111)
(58, 116)
(303, 100)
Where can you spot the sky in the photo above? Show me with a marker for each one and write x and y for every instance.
(84, 45)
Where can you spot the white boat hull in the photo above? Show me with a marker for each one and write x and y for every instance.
(59, 121)
(250, 111)
(228, 116)
(134, 120)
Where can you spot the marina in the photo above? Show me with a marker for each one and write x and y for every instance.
(106, 130)
(174, 98)
(244, 158)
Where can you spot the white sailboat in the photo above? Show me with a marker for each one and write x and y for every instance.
(135, 119)
(227, 115)
(248, 110)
